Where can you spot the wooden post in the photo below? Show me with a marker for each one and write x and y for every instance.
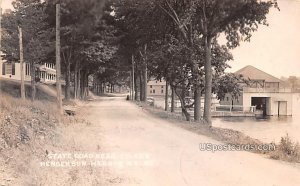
(58, 70)
(22, 63)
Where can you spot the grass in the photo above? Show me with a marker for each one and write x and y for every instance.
(12, 87)
(286, 150)
(24, 120)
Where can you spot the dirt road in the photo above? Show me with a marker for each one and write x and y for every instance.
(172, 154)
(130, 147)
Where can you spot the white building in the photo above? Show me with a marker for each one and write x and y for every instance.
(156, 88)
(265, 92)
(46, 72)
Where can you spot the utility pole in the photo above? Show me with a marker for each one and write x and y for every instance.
(132, 59)
(21, 63)
(58, 73)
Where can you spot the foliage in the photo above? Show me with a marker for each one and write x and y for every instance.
(229, 83)
(30, 16)
(287, 150)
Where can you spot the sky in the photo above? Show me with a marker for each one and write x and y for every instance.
(274, 49)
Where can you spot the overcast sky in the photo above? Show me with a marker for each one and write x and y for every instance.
(274, 49)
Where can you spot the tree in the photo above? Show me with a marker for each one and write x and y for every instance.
(293, 80)
(28, 15)
(141, 25)
(205, 19)
(229, 83)
(83, 35)
(171, 60)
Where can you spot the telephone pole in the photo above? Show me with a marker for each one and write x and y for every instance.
(21, 63)
(58, 70)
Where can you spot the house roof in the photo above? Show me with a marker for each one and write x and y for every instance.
(156, 82)
(255, 74)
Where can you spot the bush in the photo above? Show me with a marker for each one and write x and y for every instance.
(287, 150)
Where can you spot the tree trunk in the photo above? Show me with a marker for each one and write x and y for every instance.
(68, 80)
(133, 78)
(75, 80)
(145, 82)
(135, 88)
(167, 96)
(183, 106)
(173, 99)
(86, 85)
(197, 105)
(141, 87)
(82, 84)
(208, 81)
(33, 87)
(79, 84)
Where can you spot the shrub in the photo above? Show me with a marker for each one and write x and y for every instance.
(287, 150)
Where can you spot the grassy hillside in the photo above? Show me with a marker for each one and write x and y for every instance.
(22, 121)
(12, 88)
(26, 127)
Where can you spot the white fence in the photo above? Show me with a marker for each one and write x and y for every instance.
(235, 108)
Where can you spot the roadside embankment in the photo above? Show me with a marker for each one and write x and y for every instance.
(28, 131)
(286, 150)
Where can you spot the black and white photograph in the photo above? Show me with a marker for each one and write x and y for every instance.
(149, 92)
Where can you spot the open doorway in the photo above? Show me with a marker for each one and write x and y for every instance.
(261, 104)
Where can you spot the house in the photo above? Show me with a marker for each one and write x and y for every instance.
(264, 92)
(156, 88)
(11, 70)
(46, 73)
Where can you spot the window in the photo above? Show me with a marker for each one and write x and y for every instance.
(27, 69)
(150, 86)
(154, 91)
(150, 91)
(162, 91)
(227, 98)
(8, 68)
(13, 69)
(162, 86)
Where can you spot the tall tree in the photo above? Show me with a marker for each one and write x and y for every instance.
(206, 19)
(80, 22)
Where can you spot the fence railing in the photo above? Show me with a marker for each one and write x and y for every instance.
(235, 108)
(267, 90)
